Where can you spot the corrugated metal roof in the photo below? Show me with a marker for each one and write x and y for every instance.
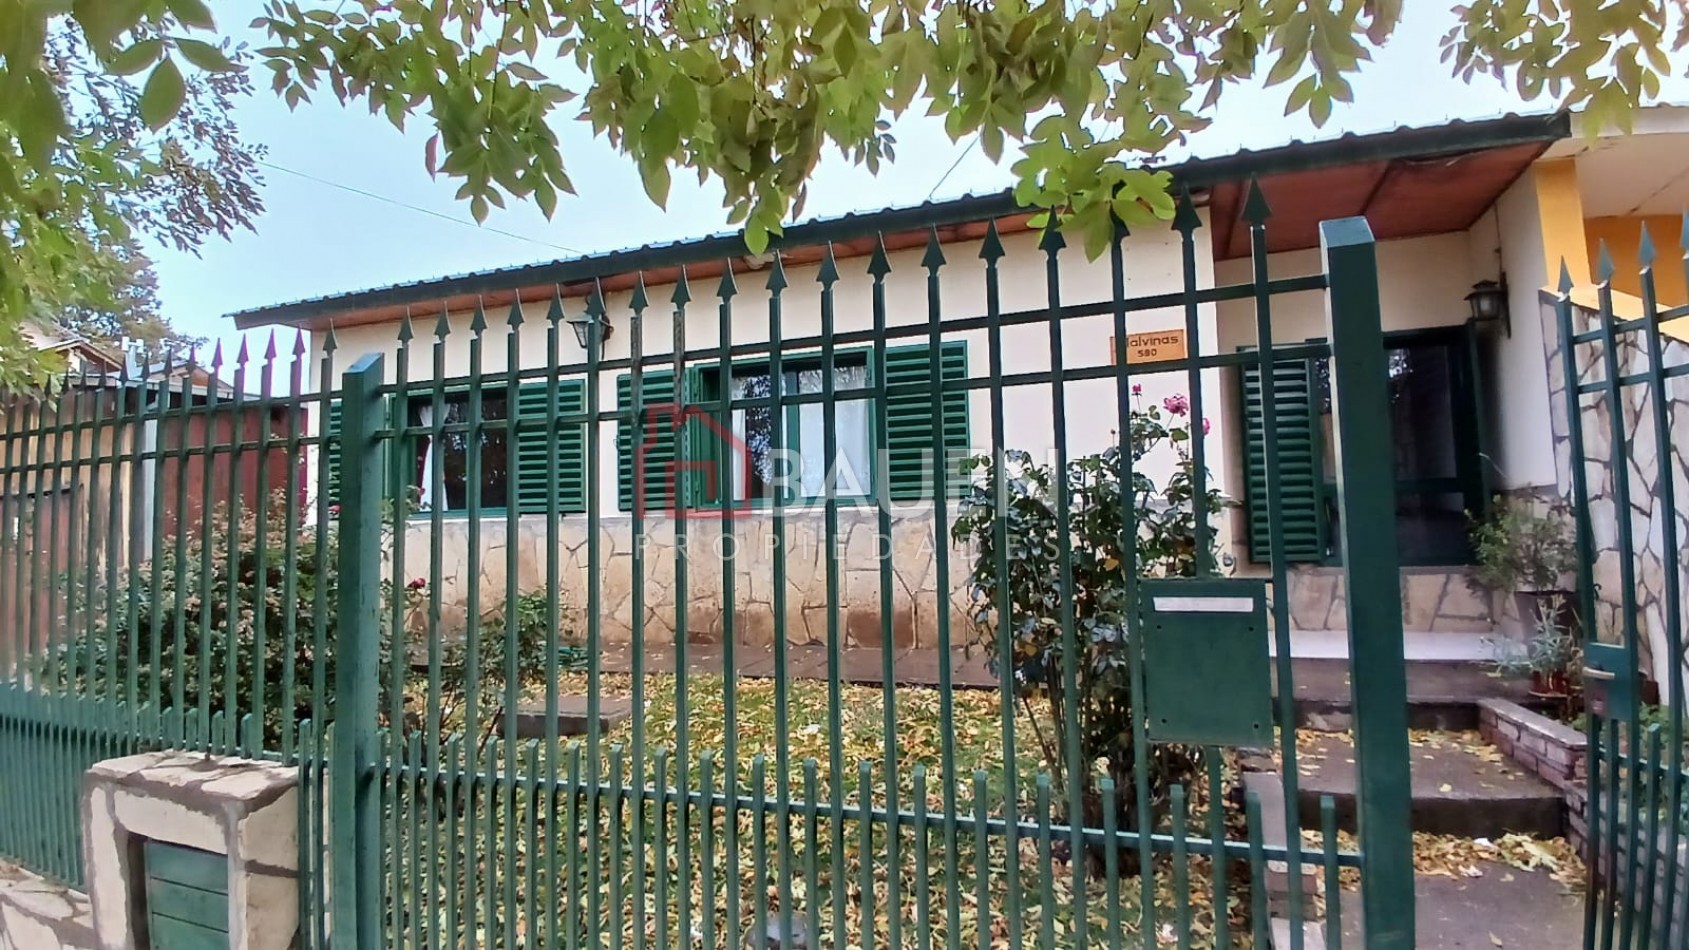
(1193, 172)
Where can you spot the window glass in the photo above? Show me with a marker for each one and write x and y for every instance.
(443, 466)
(803, 467)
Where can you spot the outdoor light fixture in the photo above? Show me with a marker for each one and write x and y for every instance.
(1488, 301)
(584, 325)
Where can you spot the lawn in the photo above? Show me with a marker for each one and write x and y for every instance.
(847, 883)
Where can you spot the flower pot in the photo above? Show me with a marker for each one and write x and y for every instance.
(1560, 606)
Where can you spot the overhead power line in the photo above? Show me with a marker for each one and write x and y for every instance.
(420, 210)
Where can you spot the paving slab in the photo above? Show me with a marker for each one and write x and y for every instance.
(1458, 789)
(1505, 908)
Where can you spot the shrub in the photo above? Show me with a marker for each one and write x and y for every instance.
(214, 594)
(1104, 548)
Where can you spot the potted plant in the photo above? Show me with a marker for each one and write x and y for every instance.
(1551, 657)
(1528, 554)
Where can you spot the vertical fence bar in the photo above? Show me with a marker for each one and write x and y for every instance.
(1366, 499)
(1619, 466)
(878, 267)
(553, 599)
(356, 843)
(683, 591)
(827, 275)
(729, 661)
(1075, 766)
(782, 683)
(1256, 213)
(637, 304)
(594, 611)
(1585, 540)
(991, 251)
(512, 592)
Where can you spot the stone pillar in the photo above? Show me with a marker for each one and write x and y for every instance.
(244, 810)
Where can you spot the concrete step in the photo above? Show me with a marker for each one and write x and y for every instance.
(1459, 788)
(1443, 695)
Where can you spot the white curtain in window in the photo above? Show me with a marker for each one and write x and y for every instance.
(425, 417)
(853, 462)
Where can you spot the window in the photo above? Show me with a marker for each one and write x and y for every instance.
(1435, 439)
(803, 468)
(906, 457)
(442, 466)
(548, 473)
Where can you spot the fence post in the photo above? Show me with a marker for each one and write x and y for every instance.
(355, 815)
(1366, 500)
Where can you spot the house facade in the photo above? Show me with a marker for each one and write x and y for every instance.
(1477, 411)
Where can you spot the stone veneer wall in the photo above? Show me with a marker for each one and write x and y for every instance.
(1433, 599)
(1646, 462)
(1438, 599)
(914, 576)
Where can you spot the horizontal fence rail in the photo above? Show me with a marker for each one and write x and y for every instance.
(804, 609)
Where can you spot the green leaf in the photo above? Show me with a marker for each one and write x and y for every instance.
(136, 58)
(656, 178)
(103, 21)
(204, 55)
(193, 13)
(163, 96)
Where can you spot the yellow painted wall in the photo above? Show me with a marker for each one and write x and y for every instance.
(1622, 235)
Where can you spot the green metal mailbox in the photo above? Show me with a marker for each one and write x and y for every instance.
(1207, 677)
(187, 898)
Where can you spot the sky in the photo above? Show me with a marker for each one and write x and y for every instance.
(350, 205)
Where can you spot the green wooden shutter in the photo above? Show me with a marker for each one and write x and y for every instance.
(655, 431)
(534, 463)
(909, 421)
(1299, 465)
(331, 453)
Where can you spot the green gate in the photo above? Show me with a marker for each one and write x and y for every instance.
(1625, 386)
(610, 623)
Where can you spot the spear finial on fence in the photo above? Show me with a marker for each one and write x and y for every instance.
(828, 273)
(1604, 269)
(406, 333)
(727, 288)
(554, 313)
(639, 301)
(478, 325)
(443, 326)
(991, 249)
(514, 319)
(1645, 248)
(777, 275)
(1185, 219)
(1051, 241)
(933, 259)
(1255, 208)
(1565, 284)
(682, 290)
(878, 264)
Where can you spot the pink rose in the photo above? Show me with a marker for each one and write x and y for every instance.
(1176, 404)
(1205, 425)
(1137, 389)
(418, 583)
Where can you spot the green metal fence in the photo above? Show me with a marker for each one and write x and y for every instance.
(529, 621)
(1625, 386)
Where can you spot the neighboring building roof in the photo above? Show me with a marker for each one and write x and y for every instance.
(957, 219)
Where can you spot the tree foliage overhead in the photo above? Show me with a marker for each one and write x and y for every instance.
(751, 93)
(107, 140)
